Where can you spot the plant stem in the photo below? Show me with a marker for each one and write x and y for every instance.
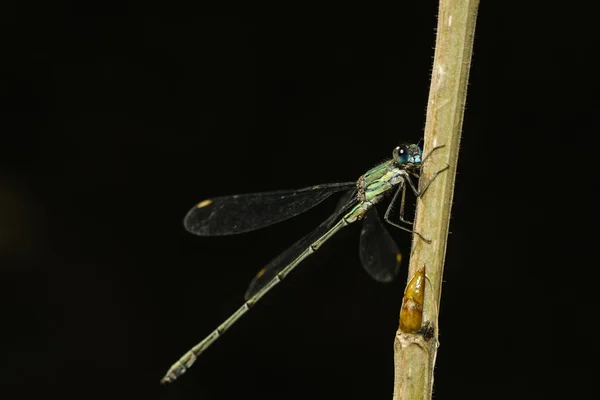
(415, 353)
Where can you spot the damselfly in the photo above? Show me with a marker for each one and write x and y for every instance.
(378, 252)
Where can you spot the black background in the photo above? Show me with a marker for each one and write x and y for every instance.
(116, 121)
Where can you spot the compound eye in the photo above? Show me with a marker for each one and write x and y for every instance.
(400, 154)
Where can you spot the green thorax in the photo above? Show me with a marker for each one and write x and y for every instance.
(377, 181)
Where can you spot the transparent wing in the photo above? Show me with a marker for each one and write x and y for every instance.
(266, 274)
(228, 215)
(379, 253)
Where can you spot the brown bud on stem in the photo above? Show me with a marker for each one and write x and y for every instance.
(411, 313)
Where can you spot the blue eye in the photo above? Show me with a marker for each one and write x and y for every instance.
(400, 154)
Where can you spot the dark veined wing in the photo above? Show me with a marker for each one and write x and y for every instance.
(240, 213)
(266, 274)
(379, 253)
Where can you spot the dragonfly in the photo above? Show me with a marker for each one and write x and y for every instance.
(378, 251)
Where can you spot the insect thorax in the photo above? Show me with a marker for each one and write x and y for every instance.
(377, 182)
